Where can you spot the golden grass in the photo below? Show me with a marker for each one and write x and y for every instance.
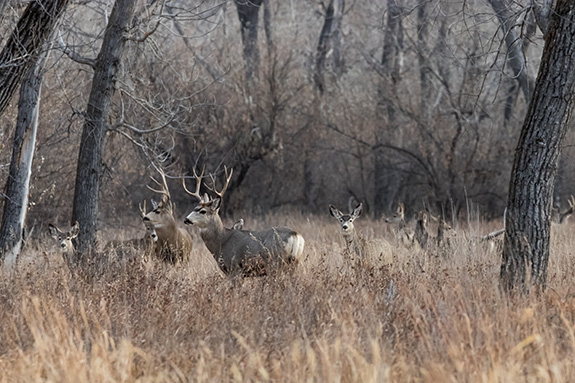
(145, 322)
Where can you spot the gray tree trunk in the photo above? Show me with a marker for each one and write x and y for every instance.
(18, 183)
(329, 44)
(527, 235)
(390, 65)
(25, 43)
(88, 172)
(514, 42)
(248, 14)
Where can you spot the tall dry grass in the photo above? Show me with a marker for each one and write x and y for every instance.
(430, 318)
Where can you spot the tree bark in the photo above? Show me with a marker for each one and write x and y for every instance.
(514, 43)
(248, 15)
(329, 43)
(18, 183)
(88, 173)
(527, 235)
(25, 43)
(390, 65)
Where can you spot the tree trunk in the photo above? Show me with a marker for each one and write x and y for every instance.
(23, 47)
(390, 65)
(88, 172)
(17, 185)
(536, 158)
(248, 15)
(514, 43)
(268, 28)
(329, 44)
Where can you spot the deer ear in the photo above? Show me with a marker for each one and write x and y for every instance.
(53, 231)
(74, 230)
(216, 204)
(357, 211)
(334, 212)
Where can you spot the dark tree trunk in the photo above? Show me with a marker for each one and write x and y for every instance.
(248, 15)
(88, 172)
(25, 43)
(268, 27)
(329, 42)
(390, 64)
(527, 233)
(17, 185)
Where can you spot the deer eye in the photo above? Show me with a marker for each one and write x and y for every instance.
(202, 212)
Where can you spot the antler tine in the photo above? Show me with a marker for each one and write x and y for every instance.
(228, 178)
(143, 211)
(198, 184)
(163, 185)
(571, 202)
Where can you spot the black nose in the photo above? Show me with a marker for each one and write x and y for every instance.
(344, 227)
(62, 245)
(145, 219)
(187, 221)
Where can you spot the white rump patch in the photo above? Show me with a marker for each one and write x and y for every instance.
(294, 247)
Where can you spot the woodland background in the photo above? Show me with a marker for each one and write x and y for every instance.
(308, 130)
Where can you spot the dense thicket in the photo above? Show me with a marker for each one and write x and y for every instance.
(457, 108)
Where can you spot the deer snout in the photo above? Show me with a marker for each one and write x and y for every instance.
(63, 245)
(344, 227)
(145, 218)
(188, 222)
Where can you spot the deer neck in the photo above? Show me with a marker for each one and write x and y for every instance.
(166, 230)
(214, 235)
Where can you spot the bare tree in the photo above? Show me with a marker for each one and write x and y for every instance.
(329, 45)
(18, 183)
(89, 169)
(527, 235)
(514, 43)
(387, 112)
(248, 11)
(25, 43)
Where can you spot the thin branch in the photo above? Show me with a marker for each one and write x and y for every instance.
(73, 55)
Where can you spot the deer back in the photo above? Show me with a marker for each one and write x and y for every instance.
(254, 252)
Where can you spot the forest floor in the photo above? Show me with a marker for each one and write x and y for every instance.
(433, 316)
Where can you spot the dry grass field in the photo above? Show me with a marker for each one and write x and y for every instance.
(431, 317)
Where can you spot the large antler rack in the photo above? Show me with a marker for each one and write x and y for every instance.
(163, 185)
(226, 184)
(196, 193)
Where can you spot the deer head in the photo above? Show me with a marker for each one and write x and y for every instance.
(162, 212)
(151, 231)
(206, 211)
(346, 220)
(64, 238)
(398, 216)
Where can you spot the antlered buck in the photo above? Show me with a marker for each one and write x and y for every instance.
(241, 252)
(173, 243)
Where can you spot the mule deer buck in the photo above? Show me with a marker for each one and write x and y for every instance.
(173, 243)
(241, 252)
(357, 246)
(64, 240)
(403, 234)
